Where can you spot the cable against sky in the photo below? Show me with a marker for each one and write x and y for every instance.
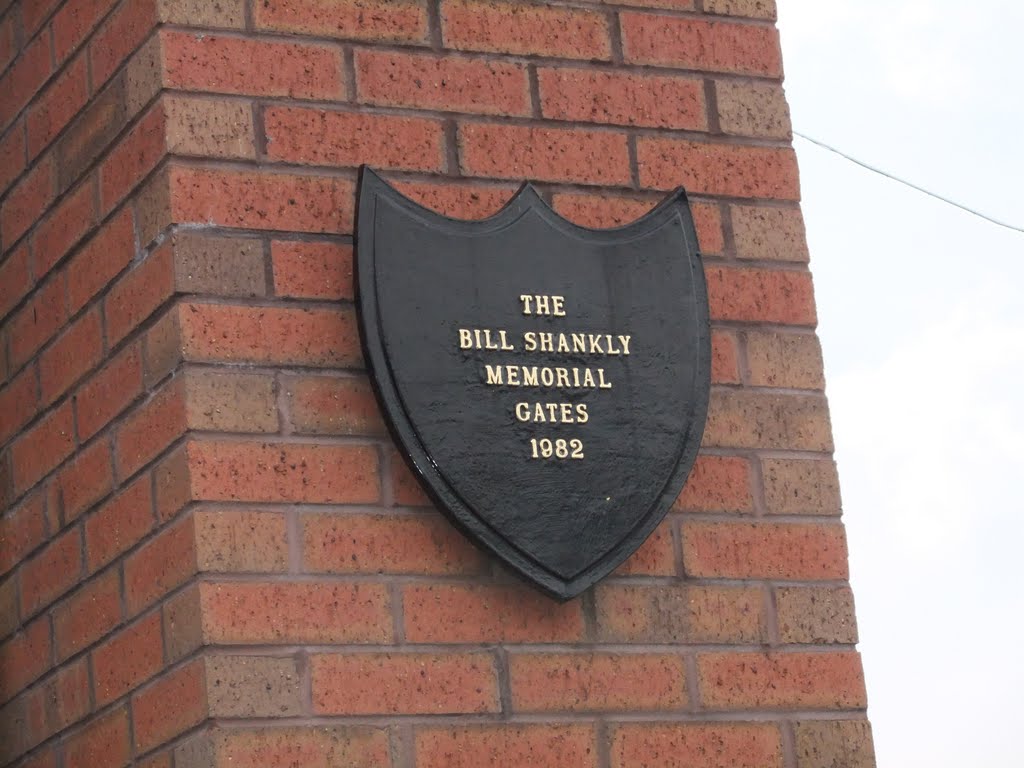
(886, 174)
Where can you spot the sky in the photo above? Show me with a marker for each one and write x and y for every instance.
(921, 317)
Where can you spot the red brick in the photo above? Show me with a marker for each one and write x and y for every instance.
(63, 228)
(717, 484)
(406, 487)
(442, 82)
(154, 721)
(21, 531)
(212, 63)
(172, 484)
(8, 38)
(25, 657)
(12, 155)
(34, 13)
(153, 426)
(655, 557)
(717, 46)
(697, 745)
(257, 200)
(374, 20)
(285, 747)
(21, 81)
(347, 139)
(329, 405)
(546, 154)
(87, 479)
(74, 353)
(241, 540)
(204, 127)
(88, 614)
(37, 321)
(453, 613)
(604, 211)
(506, 27)
(596, 682)
(163, 563)
(131, 160)
(312, 270)
(43, 447)
(119, 524)
(801, 551)
(416, 544)
(718, 169)
(102, 742)
(781, 680)
(101, 258)
(565, 746)
(128, 659)
(274, 335)
(70, 694)
(122, 32)
(73, 23)
(459, 201)
(740, 418)
(109, 391)
(670, 613)
(9, 619)
(139, 293)
(407, 684)
(19, 403)
(725, 367)
(284, 472)
(761, 295)
(245, 613)
(54, 109)
(202, 13)
(15, 278)
(622, 98)
(26, 202)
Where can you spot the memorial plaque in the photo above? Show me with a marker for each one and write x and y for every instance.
(549, 383)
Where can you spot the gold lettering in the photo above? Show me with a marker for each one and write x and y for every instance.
(543, 307)
(547, 377)
(611, 349)
(566, 413)
(581, 413)
(530, 341)
(588, 378)
(530, 376)
(546, 342)
(558, 306)
(505, 346)
(603, 384)
(523, 411)
(493, 375)
(526, 299)
(579, 343)
(512, 375)
(624, 340)
(595, 344)
(563, 343)
(465, 339)
(562, 376)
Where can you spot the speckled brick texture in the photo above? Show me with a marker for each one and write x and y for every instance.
(211, 554)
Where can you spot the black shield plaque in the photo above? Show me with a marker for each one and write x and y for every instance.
(549, 383)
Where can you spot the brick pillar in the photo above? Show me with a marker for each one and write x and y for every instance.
(210, 552)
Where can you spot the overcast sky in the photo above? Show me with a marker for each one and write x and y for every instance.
(921, 312)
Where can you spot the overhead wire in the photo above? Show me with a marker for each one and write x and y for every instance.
(904, 182)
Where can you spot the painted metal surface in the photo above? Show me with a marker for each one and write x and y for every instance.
(548, 382)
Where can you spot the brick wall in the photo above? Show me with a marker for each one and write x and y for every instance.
(210, 553)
